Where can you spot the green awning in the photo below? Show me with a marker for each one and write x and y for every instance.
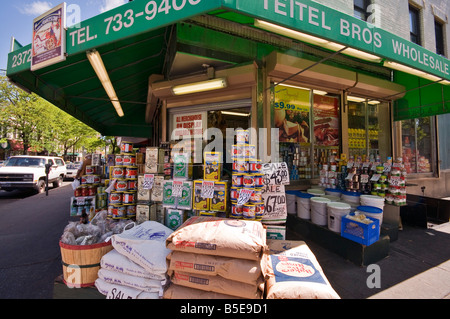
(73, 86)
(423, 98)
(136, 41)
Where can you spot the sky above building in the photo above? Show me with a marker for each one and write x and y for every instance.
(17, 18)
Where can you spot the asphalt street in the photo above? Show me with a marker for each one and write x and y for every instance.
(30, 228)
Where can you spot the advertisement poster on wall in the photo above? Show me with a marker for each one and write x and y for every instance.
(49, 46)
(326, 120)
(291, 114)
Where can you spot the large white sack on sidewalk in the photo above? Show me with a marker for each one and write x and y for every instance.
(179, 292)
(115, 291)
(144, 244)
(293, 272)
(148, 285)
(217, 284)
(115, 261)
(242, 270)
(220, 237)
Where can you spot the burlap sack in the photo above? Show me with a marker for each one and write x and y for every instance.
(186, 293)
(242, 270)
(219, 237)
(216, 284)
(293, 272)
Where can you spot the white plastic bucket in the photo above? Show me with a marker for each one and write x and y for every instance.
(333, 192)
(319, 210)
(316, 192)
(291, 202)
(303, 205)
(371, 200)
(335, 211)
(351, 197)
(332, 198)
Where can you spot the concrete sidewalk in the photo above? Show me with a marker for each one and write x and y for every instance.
(417, 267)
(433, 283)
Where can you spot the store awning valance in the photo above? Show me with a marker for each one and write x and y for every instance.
(422, 98)
(136, 41)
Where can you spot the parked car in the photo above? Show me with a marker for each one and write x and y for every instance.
(24, 171)
(72, 170)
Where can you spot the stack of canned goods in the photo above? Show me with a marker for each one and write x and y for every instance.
(122, 199)
(246, 174)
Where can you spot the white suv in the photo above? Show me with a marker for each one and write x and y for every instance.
(25, 171)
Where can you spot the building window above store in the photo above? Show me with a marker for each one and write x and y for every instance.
(360, 9)
(414, 25)
(439, 34)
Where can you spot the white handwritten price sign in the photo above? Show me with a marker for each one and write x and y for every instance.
(244, 196)
(148, 181)
(177, 188)
(275, 173)
(274, 198)
(207, 189)
(396, 181)
(375, 177)
(364, 178)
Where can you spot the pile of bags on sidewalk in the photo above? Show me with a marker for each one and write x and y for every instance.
(216, 258)
(209, 258)
(136, 267)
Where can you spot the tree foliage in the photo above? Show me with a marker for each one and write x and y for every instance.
(41, 125)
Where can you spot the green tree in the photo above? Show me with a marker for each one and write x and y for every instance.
(23, 113)
(41, 125)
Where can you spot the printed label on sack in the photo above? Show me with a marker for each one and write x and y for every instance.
(295, 269)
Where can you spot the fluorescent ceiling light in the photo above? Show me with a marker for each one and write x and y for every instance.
(355, 99)
(316, 41)
(319, 92)
(289, 33)
(235, 113)
(407, 69)
(362, 55)
(292, 86)
(200, 86)
(373, 102)
(97, 64)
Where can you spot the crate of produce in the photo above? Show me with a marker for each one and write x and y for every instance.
(361, 232)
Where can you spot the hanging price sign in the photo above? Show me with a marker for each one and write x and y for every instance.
(244, 196)
(207, 189)
(364, 178)
(148, 181)
(275, 173)
(375, 177)
(350, 176)
(274, 198)
(177, 188)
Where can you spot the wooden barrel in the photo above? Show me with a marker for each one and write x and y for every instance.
(82, 263)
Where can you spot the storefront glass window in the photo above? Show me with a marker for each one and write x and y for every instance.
(309, 128)
(417, 145)
(369, 129)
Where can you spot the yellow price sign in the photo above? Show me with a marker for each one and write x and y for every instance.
(289, 98)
